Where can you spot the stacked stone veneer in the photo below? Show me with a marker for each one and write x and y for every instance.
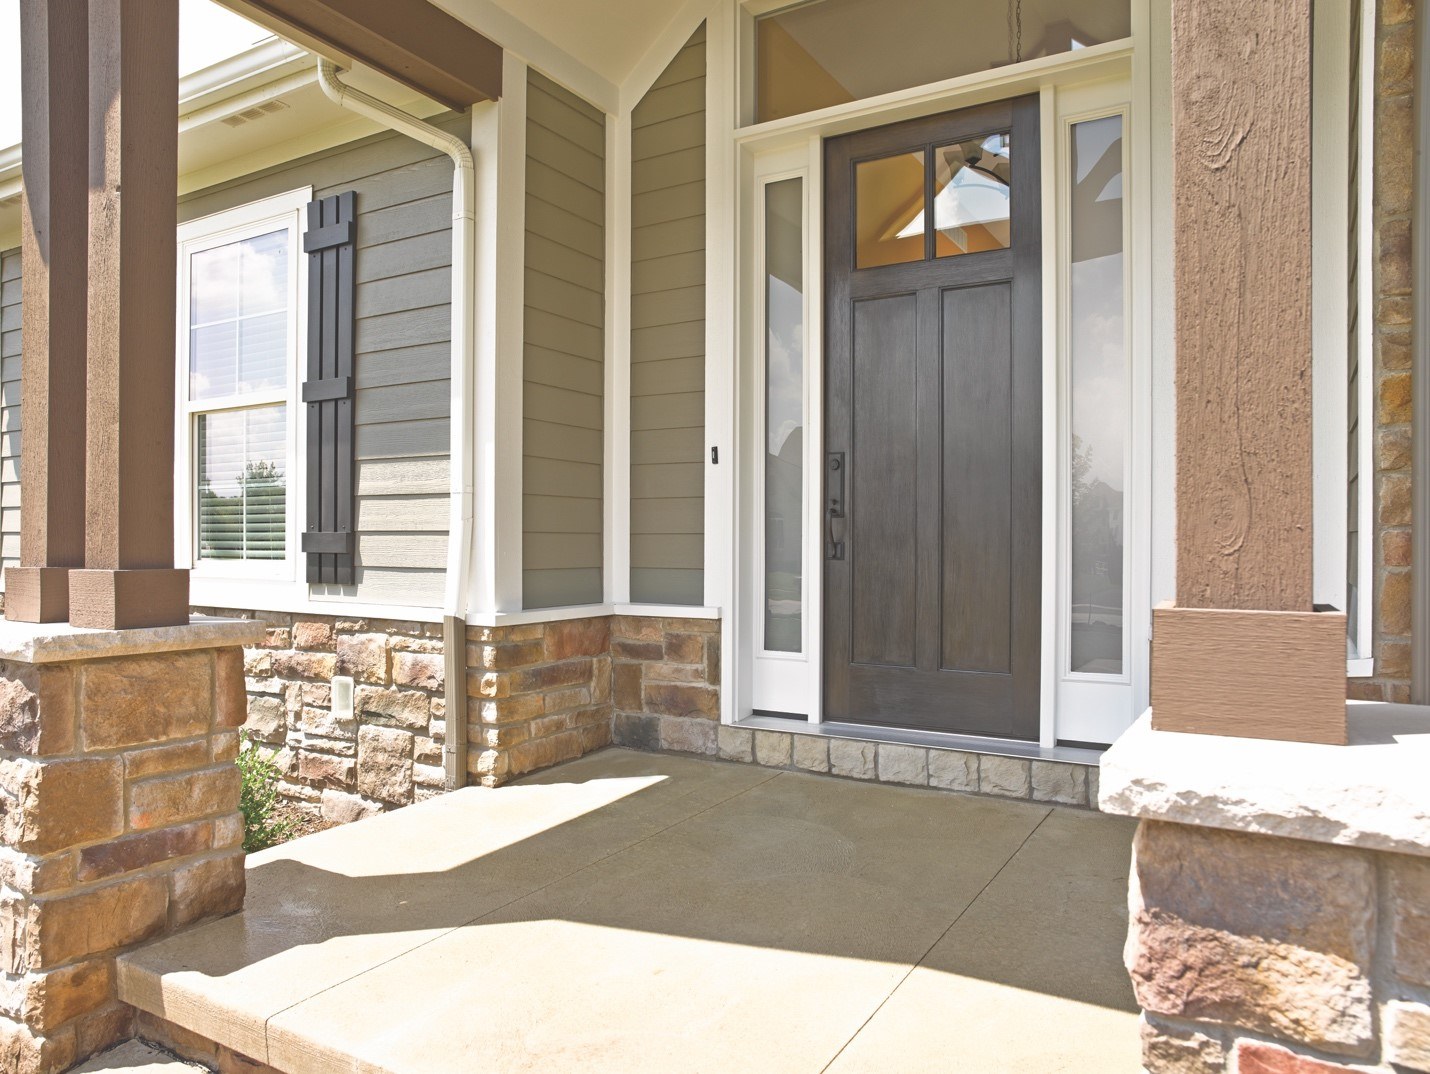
(537, 694)
(1255, 954)
(388, 752)
(1390, 375)
(118, 824)
(666, 683)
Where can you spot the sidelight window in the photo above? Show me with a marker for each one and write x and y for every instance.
(1097, 352)
(784, 416)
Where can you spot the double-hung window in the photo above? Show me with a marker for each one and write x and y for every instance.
(240, 306)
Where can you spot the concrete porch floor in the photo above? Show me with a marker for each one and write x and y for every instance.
(633, 912)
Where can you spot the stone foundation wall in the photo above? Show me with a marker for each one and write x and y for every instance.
(537, 694)
(666, 683)
(1261, 955)
(119, 823)
(1390, 376)
(389, 751)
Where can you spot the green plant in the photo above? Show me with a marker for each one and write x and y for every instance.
(258, 798)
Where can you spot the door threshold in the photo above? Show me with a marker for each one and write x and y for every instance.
(938, 740)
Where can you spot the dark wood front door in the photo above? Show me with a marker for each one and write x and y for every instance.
(933, 441)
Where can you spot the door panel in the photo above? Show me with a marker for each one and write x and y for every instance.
(933, 393)
(977, 479)
(885, 587)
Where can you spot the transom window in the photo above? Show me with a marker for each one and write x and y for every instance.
(816, 55)
(238, 308)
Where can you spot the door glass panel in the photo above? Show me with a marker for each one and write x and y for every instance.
(889, 210)
(784, 415)
(1098, 364)
(831, 52)
(972, 203)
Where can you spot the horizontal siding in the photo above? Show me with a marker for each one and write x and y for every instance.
(403, 268)
(564, 356)
(10, 408)
(668, 334)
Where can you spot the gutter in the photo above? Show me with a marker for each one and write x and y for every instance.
(460, 528)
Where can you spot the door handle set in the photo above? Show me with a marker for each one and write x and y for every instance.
(834, 469)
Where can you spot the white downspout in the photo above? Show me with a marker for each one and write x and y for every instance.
(459, 537)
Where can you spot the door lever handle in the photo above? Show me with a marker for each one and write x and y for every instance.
(834, 500)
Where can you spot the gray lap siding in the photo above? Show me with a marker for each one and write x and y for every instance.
(402, 342)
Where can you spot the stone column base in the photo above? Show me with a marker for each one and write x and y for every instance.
(119, 818)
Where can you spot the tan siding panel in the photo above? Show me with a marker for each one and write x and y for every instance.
(670, 169)
(564, 226)
(682, 411)
(547, 109)
(563, 370)
(549, 440)
(668, 329)
(671, 237)
(557, 259)
(544, 145)
(683, 305)
(562, 334)
(551, 185)
(547, 589)
(561, 514)
(565, 297)
(554, 295)
(667, 445)
(401, 365)
(677, 270)
(664, 342)
(670, 516)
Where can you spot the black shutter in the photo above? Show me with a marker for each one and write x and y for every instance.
(329, 540)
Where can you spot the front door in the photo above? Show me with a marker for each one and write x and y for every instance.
(933, 443)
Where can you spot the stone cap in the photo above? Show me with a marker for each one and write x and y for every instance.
(1373, 793)
(53, 643)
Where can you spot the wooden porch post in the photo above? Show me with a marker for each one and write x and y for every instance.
(1243, 651)
(129, 578)
(55, 107)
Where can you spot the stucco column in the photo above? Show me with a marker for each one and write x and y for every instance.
(129, 578)
(55, 78)
(1243, 651)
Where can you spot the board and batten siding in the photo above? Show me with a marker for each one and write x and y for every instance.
(564, 348)
(668, 334)
(402, 343)
(10, 408)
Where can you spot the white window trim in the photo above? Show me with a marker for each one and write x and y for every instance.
(263, 580)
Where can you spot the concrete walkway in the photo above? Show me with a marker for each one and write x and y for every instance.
(630, 912)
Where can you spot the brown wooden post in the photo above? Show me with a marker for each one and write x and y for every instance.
(129, 578)
(1243, 651)
(54, 116)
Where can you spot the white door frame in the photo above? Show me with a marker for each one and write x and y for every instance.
(794, 148)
